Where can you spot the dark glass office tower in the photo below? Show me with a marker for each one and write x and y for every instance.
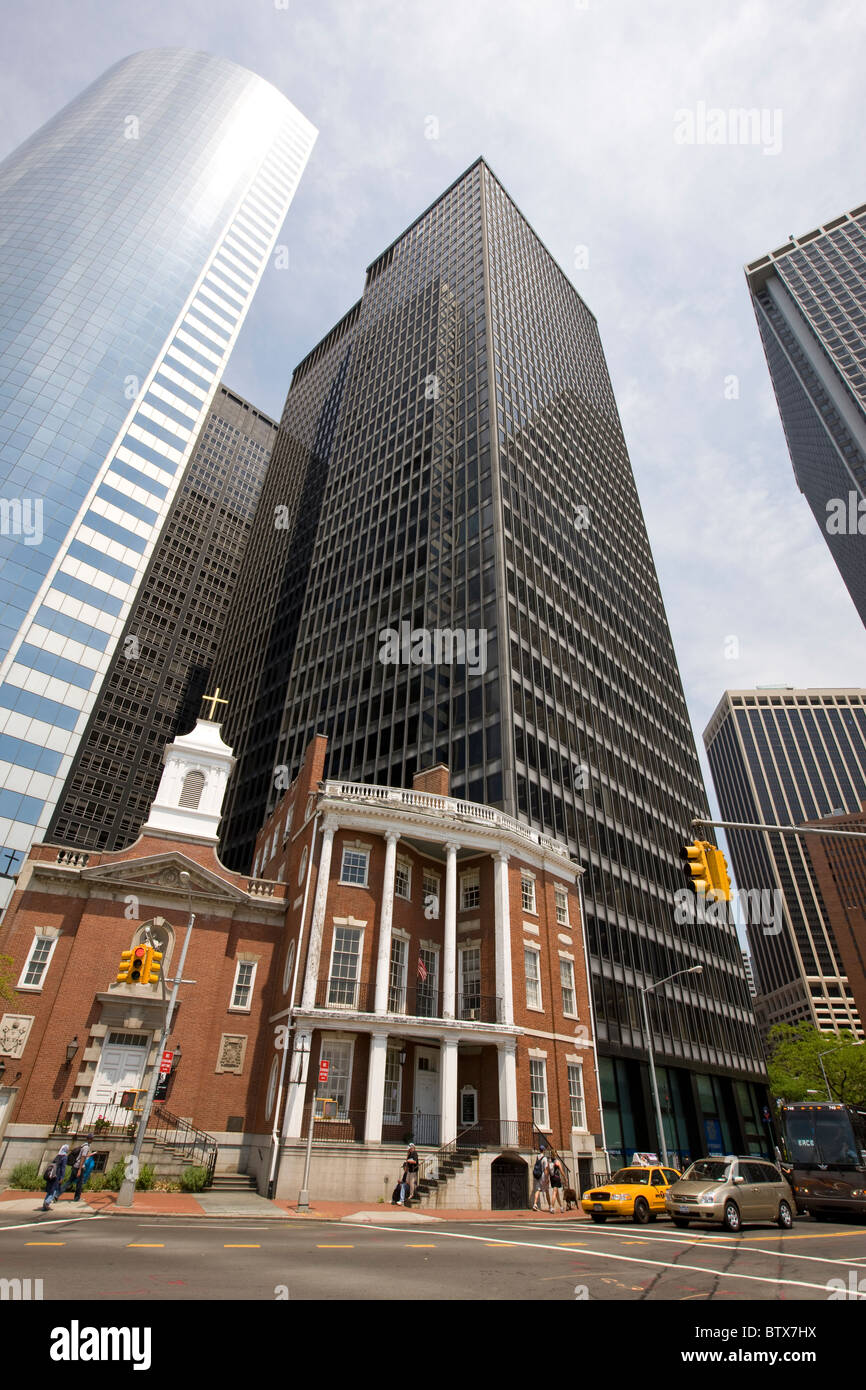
(810, 300)
(450, 460)
(785, 757)
(163, 662)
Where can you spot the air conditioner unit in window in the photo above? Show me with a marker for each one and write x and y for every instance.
(472, 1014)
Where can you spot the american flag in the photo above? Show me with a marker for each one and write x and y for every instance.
(422, 969)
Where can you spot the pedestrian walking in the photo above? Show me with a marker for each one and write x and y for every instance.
(81, 1163)
(410, 1170)
(541, 1180)
(53, 1176)
(557, 1182)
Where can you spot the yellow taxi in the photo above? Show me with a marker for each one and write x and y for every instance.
(637, 1192)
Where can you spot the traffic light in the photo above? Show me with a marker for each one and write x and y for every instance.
(124, 968)
(720, 882)
(137, 968)
(696, 865)
(708, 870)
(152, 967)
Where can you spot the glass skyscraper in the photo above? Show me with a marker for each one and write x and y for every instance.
(134, 229)
(785, 757)
(810, 300)
(449, 564)
(163, 661)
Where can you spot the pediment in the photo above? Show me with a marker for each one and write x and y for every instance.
(161, 872)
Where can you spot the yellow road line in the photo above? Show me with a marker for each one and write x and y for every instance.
(146, 1245)
(420, 1247)
(335, 1247)
(571, 1242)
(242, 1247)
(45, 1242)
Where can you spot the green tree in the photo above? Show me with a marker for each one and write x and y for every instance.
(795, 1069)
(7, 989)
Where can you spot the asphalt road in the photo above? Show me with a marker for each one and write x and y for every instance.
(105, 1257)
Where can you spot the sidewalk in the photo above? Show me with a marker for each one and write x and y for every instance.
(250, 1205)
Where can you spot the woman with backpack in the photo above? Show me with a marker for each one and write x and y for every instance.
(53, 1176)
(81, 1164)
(541, 1180)
(556, 1183)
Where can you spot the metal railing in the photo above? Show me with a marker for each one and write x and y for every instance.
(116, 1121)
(416, 1001)
(430, 1168)
(334, 992)
(479, 1008)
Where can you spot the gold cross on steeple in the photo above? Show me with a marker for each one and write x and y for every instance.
(213, 700)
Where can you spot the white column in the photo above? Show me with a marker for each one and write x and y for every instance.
(508, 1091)
(376, 1087)
(449, 952)
(293, 1121)
(383, 957)
(504, 985)
(314, 951)
(448, 1091)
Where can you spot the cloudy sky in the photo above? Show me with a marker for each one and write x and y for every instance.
(575, 105)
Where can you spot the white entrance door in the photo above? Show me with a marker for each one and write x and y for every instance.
(121, 1068)
(426, 1127)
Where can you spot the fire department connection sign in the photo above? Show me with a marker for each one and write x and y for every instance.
(324, 1068)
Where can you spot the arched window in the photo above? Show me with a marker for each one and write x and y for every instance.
(290, 965)
(193, 786)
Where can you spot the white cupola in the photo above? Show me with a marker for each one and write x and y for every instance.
(193, 785)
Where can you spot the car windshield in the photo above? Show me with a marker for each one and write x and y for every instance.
(632, 1176)
(708, 1170)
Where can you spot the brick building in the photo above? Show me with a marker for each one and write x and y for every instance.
(429, 950)
(443, 980)
(839, 866)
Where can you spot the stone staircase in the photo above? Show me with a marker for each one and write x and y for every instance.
(233, 1182)
(450, 1164)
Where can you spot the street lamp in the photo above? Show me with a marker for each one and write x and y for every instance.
(127, 1187)
(71, 1049)
(643, 990)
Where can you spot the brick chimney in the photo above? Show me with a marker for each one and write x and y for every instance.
(432, 779)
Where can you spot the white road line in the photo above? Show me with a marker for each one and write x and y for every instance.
(714, 1243)
(66, 1221)
(626, 1259)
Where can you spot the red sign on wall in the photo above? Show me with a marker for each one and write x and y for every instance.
(324, 1068)
(165, 1064)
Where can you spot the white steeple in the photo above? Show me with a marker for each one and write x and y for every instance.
(193, 785)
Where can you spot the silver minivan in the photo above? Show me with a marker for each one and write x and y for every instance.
(731, 1192)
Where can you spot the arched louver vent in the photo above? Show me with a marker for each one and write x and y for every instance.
(193, 786)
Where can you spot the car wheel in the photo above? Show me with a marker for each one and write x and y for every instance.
(731, 1219)
(785, 1218)
(680, 1222)
(641, 1211)
(599, 1220)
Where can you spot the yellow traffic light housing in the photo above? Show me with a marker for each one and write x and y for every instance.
(138, 964)
(708, 869)
(697, 866)
(152, 967)
(720, 881)
(123, 970)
